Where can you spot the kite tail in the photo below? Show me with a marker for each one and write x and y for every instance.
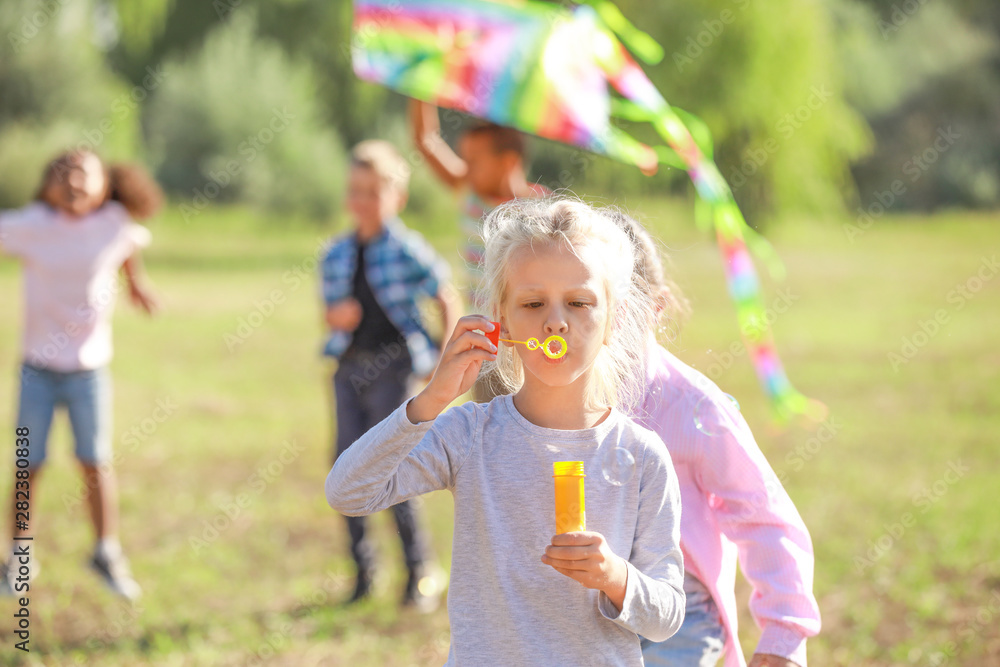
(744, 288)
(689, 146)
(732, 232)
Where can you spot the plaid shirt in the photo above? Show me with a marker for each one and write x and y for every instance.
(400, 266)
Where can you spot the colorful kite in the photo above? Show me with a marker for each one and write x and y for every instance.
(545, 69)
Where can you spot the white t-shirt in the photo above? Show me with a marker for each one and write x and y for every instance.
(70, 280)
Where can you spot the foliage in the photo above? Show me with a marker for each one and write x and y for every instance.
(238, 121)
(140, 21)
(928, 72)
(56, 93)
(813, 105)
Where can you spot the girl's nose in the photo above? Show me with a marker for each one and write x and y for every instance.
(555, 323)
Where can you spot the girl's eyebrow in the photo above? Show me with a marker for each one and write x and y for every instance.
(534, 289)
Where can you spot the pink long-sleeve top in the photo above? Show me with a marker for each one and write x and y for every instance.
(733, 507)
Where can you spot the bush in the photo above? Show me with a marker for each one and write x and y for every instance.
(238, 121)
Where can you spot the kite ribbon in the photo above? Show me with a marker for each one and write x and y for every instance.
(731, 232)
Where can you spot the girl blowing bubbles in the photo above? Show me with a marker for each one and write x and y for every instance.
(519, 595)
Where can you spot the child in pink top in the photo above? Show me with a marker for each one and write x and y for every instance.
(734, 507)
(72, 241)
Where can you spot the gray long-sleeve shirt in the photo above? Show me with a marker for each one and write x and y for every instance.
(506, 607)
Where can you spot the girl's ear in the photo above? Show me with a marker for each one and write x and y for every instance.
(498, 316)
(504, 333)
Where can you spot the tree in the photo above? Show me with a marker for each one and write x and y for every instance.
(239, 121)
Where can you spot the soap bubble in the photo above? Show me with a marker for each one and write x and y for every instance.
(618, 466)
(732, 399)
(704, 417)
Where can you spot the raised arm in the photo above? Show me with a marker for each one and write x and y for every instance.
(398, 460)
(443, 161)
(411, 451)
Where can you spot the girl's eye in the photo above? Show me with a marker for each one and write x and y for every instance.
(579, 304)
(533, 304)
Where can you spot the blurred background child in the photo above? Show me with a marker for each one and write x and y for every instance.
(734, 507)
(72, 241)
(373, 280)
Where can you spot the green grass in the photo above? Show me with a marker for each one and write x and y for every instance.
(264, 590)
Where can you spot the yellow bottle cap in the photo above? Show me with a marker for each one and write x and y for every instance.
(567, 469)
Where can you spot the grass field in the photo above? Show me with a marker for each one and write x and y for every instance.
(225, 396)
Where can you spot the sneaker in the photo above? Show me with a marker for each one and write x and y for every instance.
(423, 590)
(116, 574)
(8, 577)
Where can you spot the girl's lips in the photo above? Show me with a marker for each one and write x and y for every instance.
(555, 361)
(554, 348)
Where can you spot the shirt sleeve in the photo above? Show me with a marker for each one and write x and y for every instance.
(398, 460)
(756, 513)
(654, 593)
(331, 278)
(12, 232)
(430, 272)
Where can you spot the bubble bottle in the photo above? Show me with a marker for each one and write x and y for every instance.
(570, 506)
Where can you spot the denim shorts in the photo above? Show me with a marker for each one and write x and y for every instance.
(701, 639)
(87, 398)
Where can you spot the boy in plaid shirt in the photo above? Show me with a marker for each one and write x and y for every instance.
(372, 281)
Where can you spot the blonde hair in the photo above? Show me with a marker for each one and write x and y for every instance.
(382, 158)
(617, 376)
(651, 277)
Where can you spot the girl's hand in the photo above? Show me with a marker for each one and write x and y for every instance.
(586, 557)
(344, 315)
(143, 298)
(457, 368)
(769, 660)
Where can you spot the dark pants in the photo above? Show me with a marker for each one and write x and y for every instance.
(368, 387)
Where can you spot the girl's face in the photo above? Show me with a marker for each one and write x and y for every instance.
(553, 291)
(77, 188)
